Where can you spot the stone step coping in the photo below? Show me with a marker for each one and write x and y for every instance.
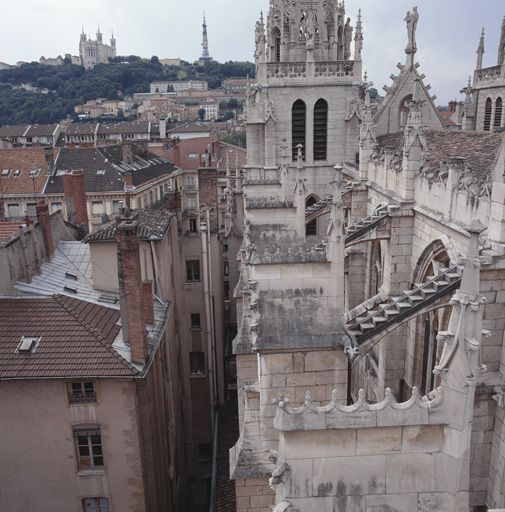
(393, 308)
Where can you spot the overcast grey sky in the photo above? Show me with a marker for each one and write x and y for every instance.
(448, 32)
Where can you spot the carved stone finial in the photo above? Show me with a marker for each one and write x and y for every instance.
(412, 20)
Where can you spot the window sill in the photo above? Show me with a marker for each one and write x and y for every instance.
(198, 376)
(192, 282)
(91, 472)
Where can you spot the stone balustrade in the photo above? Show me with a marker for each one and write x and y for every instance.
(294, 70)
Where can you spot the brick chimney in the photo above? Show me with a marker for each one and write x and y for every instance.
(74, 189)
(44, 219)
(173, 200)
(147, 289)
(131, 290)
(127, 153)
(2, 209)
(49, 158)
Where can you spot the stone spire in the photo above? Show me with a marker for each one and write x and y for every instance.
(501, 47)
(99, 36)
(367, 138)
(358, 38)
(205, 41)
(480, 50)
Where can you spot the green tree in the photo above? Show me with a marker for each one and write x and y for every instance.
(201, 114)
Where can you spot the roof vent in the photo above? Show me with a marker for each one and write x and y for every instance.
(100, 172)
(28, 344)
(69, 289)
(6, 173)
(69, 275)
(17, 172)
(109, 299)
(34, 172)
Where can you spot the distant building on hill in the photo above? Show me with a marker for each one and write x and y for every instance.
(96, 52)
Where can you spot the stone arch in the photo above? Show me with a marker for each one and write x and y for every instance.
(403, 111)
(488, 111)
(311, 227)
(425, 328)
(320, 129)
(276, 40)
(298, 127)
(498, 113)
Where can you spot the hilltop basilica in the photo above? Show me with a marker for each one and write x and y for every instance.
(371, 296)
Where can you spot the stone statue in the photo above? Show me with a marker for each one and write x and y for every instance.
(347, 39)
(412, 19)
(260, 39)
(310, 26)
(269, 110)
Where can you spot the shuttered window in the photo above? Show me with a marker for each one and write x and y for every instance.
(298, 126)
(498, 111)
(320, 129)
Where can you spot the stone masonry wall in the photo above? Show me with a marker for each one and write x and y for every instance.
(393, 469)
(292, 375)
(254, 495)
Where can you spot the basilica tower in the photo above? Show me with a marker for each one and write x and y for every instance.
(307, 90)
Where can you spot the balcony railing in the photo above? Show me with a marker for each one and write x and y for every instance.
(282, 70)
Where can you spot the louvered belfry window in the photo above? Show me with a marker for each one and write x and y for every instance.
(298, 126)
(487, 115)
(498, 111)
(320, 129)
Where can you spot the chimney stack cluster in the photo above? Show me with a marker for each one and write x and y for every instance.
(74, 189)
(136, 297)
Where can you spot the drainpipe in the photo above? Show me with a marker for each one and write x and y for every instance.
(205, 232)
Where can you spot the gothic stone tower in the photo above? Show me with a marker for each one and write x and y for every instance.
(307, 90)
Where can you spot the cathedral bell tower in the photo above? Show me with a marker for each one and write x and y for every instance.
(307, 89)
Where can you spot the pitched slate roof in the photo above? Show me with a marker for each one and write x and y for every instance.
(76, 339)
(480, 150)
(81, 129)
(41, 130)
(17, 130)
(153, 225)
(104, 169)
(124, 128)
(24, 160)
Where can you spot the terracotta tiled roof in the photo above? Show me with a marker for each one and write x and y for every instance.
(153, 225)
(480, 150)
(8, 230)
(188, 153)
(190, 128)
(76, 339)
(25, 160)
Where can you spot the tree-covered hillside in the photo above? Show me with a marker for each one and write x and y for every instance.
(71, 85)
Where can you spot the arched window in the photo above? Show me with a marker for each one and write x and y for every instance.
(277, 44)
(298, 126)
(320, 129)
(311, 227)
(404, 110)
(487, 115)
(498, 111)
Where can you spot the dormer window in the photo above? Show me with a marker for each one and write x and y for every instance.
(28, 344)
(6, 173)
(34, 173)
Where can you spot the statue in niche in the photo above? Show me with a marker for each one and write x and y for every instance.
(412, 19)
(310, 26)
(347, 39)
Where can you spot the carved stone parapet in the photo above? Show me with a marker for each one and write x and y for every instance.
(388, 413)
